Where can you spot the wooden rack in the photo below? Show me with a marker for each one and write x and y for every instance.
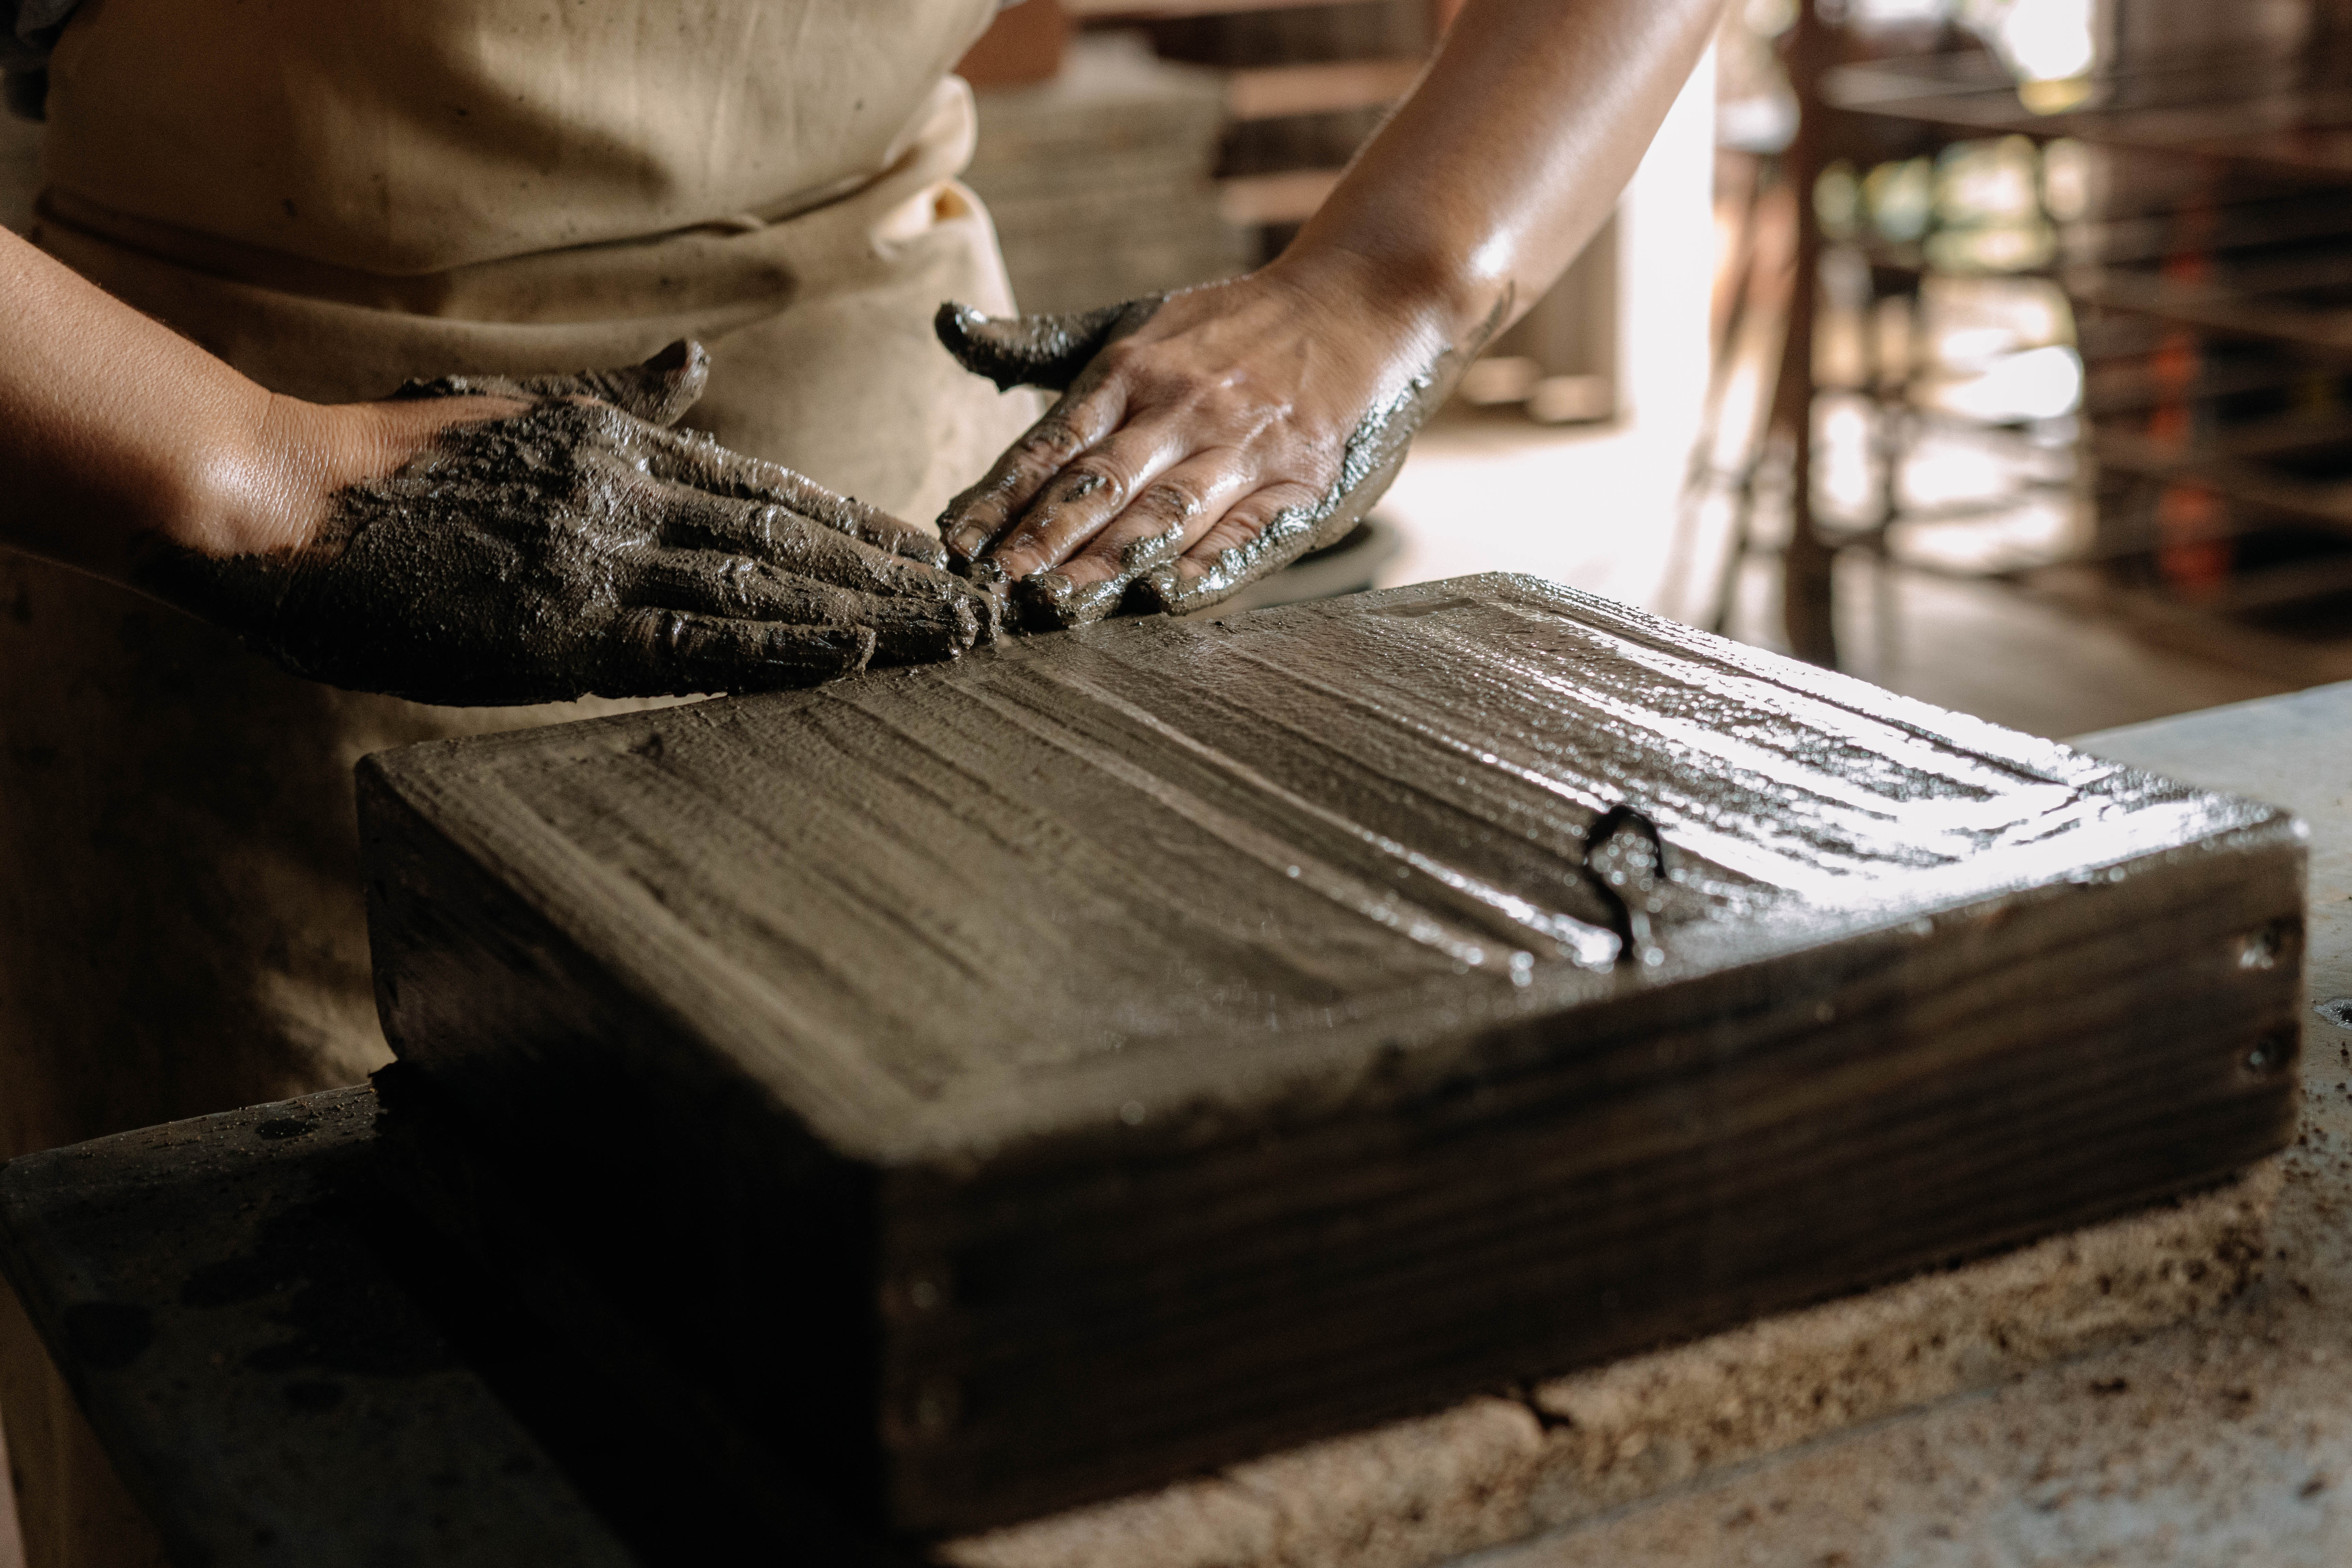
(2211, 291)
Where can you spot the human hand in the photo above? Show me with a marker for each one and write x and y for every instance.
(1203, 439)
(549, 537)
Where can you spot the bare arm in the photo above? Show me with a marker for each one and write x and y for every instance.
(1230, 407)
(115, 430)
(483, 542)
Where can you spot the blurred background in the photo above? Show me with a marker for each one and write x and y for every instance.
(1995, 350)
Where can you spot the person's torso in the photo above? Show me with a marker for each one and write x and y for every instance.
(412, 136)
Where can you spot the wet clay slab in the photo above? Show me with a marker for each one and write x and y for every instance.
(1119, 1053)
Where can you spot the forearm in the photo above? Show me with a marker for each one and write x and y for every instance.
(1508, 156)
(114, 429)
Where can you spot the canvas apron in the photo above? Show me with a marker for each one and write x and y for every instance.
(334, 199)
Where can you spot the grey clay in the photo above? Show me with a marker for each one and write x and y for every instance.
(1056, 352)
(585, 546)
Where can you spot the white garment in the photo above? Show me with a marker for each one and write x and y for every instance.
(336, 195)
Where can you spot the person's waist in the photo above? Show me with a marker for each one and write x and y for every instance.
(678, 268)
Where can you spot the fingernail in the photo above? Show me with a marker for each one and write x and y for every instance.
(967, 540)
(988, 611)
(1048, 584)
(1050, 601)
(1038, 600)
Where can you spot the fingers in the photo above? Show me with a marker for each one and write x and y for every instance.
(982, 513)
(1259, 535)
(783, 537)
(1172, 513)
(1268, 531)
(1074, 506)
(1036, 351)
(787, 541)
(906, 630)
(658, 391)
(673, 652)
(685, 458)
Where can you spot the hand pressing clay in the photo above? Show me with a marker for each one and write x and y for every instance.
(581, 545)
(1170, 551)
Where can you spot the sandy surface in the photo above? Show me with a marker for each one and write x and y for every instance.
(2049, 1420)
(1497, 1469)
(2225, 1441)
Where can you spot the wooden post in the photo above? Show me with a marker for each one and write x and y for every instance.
(1806, 609)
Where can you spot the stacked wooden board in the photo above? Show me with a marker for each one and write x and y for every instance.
(1098, 179)
(1116, 1053)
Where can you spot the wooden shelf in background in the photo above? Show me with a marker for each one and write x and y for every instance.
(2325, 502)
(1290, 197)
(2218, 309)
(1272, 92)
(2253, 111)
(1161, 10)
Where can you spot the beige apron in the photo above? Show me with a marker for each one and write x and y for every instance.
(334, 197)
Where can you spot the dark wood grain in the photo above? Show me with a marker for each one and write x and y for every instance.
(217, 1293)
(1135, 1048)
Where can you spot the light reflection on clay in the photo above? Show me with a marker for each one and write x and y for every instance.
(1112, 862)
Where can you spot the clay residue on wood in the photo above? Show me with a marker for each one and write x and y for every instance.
(1179, 983)
(1202, 849)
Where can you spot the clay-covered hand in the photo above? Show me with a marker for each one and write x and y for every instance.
(1202, 440)
(553, 537)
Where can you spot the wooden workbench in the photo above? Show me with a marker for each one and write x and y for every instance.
(2226, 1440)
(293, 1373)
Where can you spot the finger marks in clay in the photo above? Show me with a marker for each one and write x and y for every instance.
(907, 629)
(672, 653)
(691, 458)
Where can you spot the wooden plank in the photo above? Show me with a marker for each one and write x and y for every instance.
(272, 1393)
(1162, 10)
(2193, 1448)
(2131, 452)
(1288, 197)
(2254, 111)
(1270, 93)
(1127, 1050)
(2209, 309)
(1522, 1463)
(581, 1456)
(290, 1371)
